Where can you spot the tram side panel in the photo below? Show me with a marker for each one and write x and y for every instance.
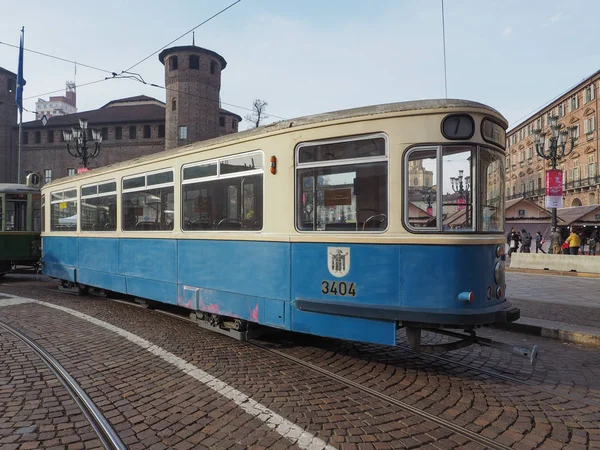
(61, 257)
(249, 280)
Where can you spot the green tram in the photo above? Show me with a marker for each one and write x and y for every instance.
(21, 218)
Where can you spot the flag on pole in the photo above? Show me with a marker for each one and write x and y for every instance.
(19, 92)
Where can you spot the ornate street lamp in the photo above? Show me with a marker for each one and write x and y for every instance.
(462, 187)
(79, 136)
(556, 147)
(429, 198)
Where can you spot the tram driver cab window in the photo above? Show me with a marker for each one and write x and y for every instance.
(342, 186)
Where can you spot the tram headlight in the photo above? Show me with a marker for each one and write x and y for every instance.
(499, 274)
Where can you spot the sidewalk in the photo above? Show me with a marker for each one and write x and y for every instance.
(560, 307)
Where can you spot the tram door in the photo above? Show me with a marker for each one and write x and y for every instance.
(16, 212)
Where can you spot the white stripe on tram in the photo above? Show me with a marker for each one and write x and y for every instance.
(284, 427)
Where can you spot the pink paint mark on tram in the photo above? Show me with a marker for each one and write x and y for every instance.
(212, 308)
(254, 314)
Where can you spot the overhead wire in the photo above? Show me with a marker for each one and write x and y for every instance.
(187, 32)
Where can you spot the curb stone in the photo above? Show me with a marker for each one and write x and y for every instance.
(562, 331)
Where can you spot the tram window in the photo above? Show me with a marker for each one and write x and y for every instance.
(224, 204)
(458, 201)
(224, 195)
(421, 191)
(43, 213)
(363, 148)
(148, 209)
(63, 211)
(343, 198)
(99, 207)
(492, 190)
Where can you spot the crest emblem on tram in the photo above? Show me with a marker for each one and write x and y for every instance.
(338, 261)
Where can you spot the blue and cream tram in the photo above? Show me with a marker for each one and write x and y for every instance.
(348, 224)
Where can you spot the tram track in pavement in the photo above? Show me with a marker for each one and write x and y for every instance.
(107, 435)
(455, 428)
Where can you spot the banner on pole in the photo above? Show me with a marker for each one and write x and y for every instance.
(20, 81)
(554, 188)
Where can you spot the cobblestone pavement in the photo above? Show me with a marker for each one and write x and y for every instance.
(572, 300)
(152, 404)
(36, 411)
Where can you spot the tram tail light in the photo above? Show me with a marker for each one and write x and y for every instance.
(273, 165)
(466, 297)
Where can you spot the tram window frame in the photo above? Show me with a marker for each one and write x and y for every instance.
(207, 196)
(164, 192)
(43, 216)
(68, 198)
(476, 188)
(323, 162)
(97, 195)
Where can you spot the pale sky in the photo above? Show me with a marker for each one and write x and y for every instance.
(307, 57)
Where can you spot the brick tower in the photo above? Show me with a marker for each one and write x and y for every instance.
(193, 82)
(8, 130)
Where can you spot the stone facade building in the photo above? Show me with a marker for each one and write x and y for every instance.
(526, 171)
(130, 127)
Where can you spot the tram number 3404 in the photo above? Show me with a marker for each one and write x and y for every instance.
(338, 288)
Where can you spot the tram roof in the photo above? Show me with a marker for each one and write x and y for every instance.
(415, 106)
(14, 188)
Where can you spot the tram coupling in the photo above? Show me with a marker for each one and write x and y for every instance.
(414, 338)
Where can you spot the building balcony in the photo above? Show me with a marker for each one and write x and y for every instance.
(581, 183)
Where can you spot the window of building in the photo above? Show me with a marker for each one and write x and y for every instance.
(531, 186)
(63, 210)
(225, 194)
(539, 182)
(147, 201)
(573, 103)
(194, 62)
(342, 185)
(99, 207)
(529, 152)
(11, 86)
(132, 132)
(25, 137)
(173, 62)
(161, 130)
(47, 175)
(70, 172)
(38, 137)
(221, 121)
(147, 132)
(588, 93)
(104, 133)
(118, 133)
(561, 110)
(173, 105)
(589, 125)
(213, 67)
(233, 124)
(183, 132)
(50, 136)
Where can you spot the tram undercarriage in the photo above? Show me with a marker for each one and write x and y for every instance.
(243, 330)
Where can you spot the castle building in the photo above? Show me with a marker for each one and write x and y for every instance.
(526, 170)
(130, 127)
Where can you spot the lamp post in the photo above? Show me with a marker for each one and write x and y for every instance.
(79, 136)
(556, 147)
(462, 188)
(429, 198)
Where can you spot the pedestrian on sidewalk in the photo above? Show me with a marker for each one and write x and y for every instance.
(555, 240)
(513, 241)
(583, 241)
(526, 241)
(592, 242)
(574, 242)
(539, 241)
